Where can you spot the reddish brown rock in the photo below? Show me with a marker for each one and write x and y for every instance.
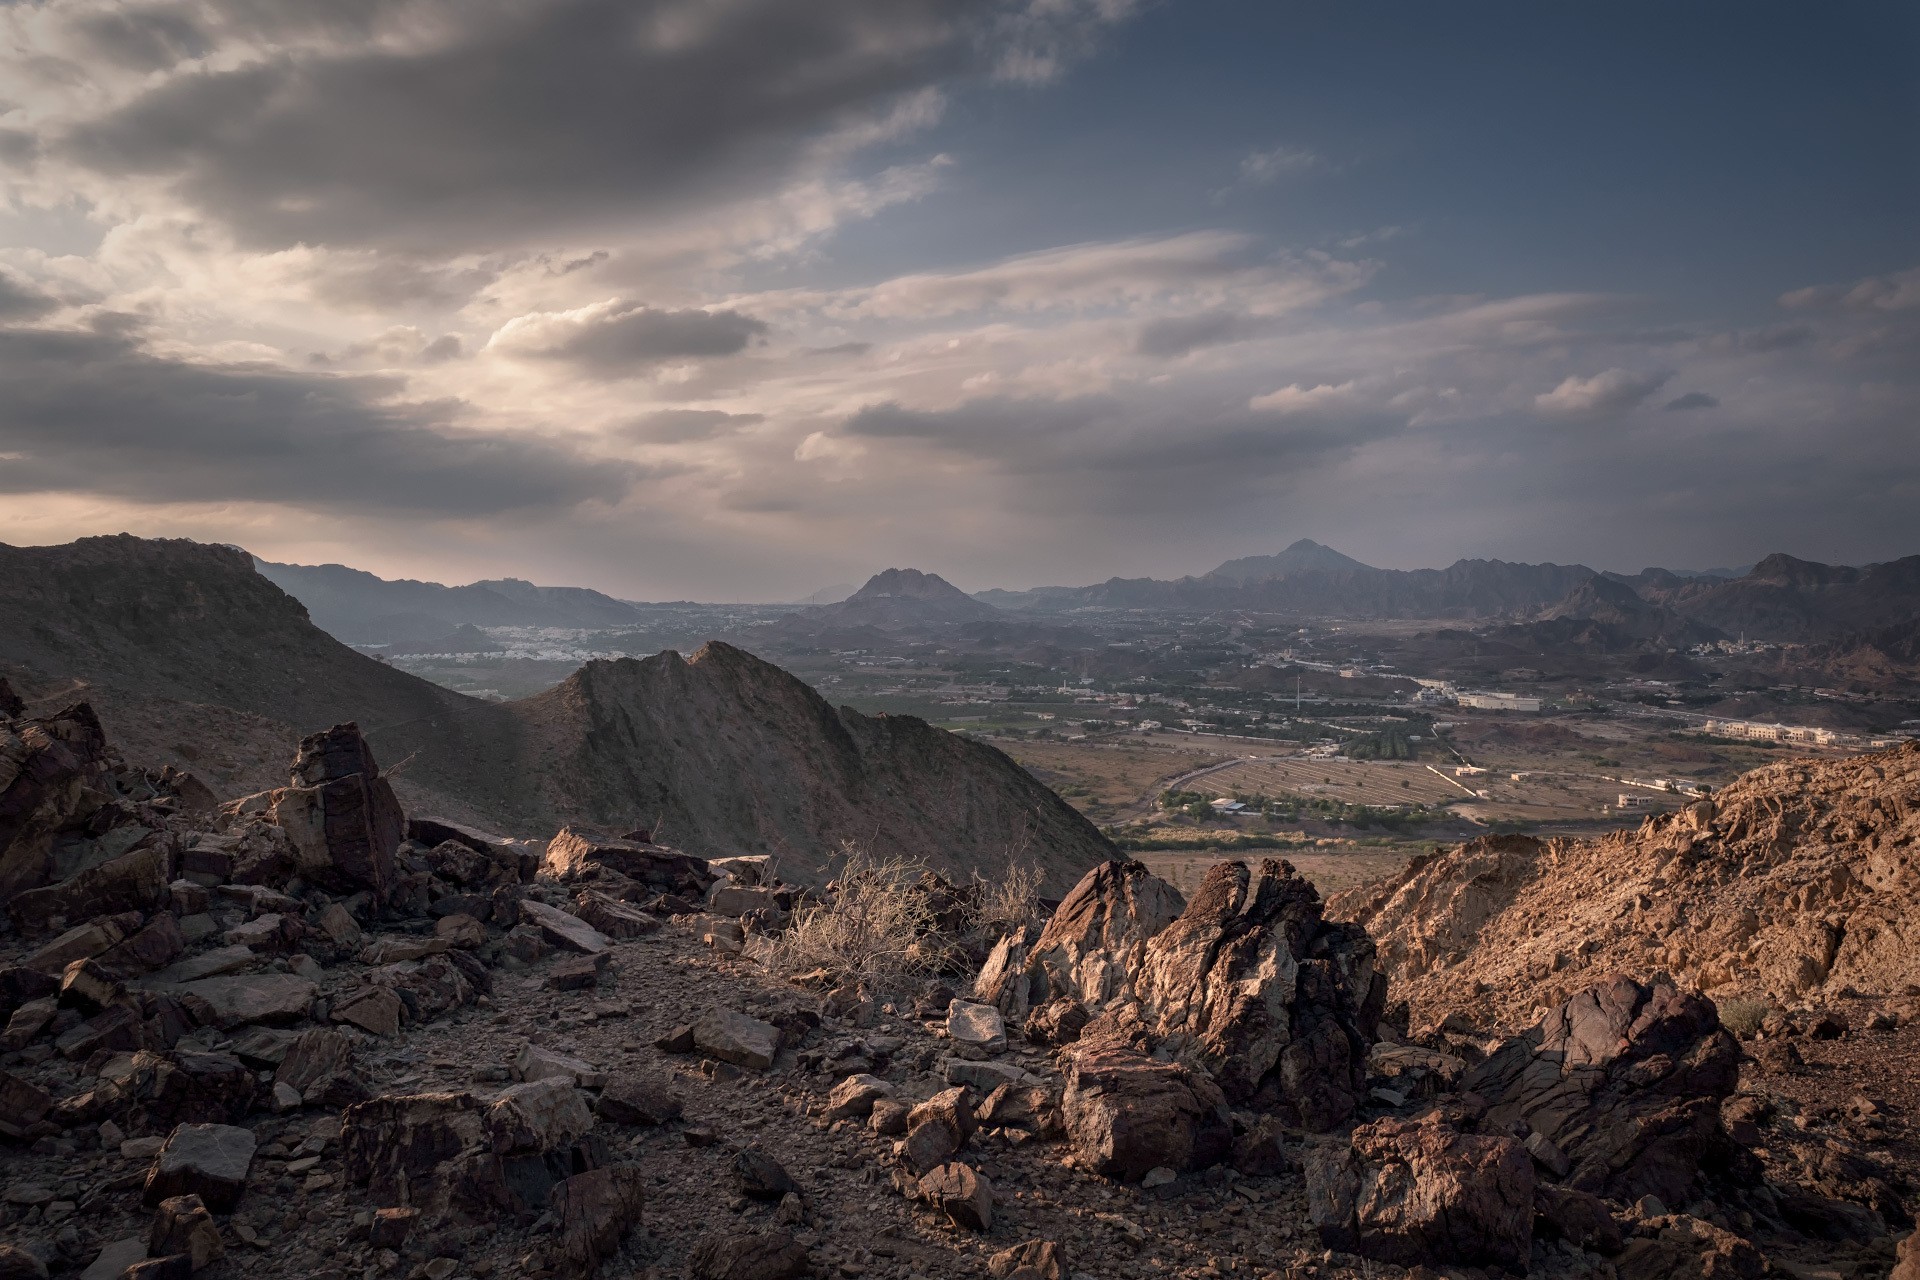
(749, 1255)
(1098, 936)
(1627, 1081)
(577, 853)
(938, 1129)
(1125, 1114)
(340, 816)
(595, 1211)
(1424, 1194)
(963, 1195)
(182, 1225)
(633, 1098)
(205, 1160)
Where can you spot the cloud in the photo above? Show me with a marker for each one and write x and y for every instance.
(1692, 400)
(1612, 392)
(1298, 399)
(675, 426)
(1174, 336)
(410, 124)
(19, 301)
(96, 413)
(617, 339)
(1898, 291)
(1194, 267)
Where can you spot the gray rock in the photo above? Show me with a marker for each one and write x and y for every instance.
(563, 929)
(537, 1062)
(206, 1160)
(116, 1258)
(254, 997)
(736, 1038)
(977, 1025)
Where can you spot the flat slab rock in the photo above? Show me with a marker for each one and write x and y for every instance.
(206, 1160)
(254, 997)
(737, 1038)
(563, 929)
(979, 1025)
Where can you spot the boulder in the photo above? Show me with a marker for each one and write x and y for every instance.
(1625, 1080)
(398, 1146)
(966, 1197)
(633, 1098)
(736, 1038)
(541, 1115)
(182, 1225)
(1422, 1193)
(1582, 1220)
(205, 1160)
(391, 1227)
(461, 931)
(137, 881)
(51, 774)
(749, 1255)
(16, 1263)
(274, 998)
(319, 1066)
(595, 1210)
(340, 815)
(157, 945)
(23, 1104)
(939, 1128)
(579, 854)
(115, 1257)
(853, 1098)
(373, 1009)
(537, 1062)
(976, 1026)
(1057, 1022)
(96, 937)
(761, 1177)
(1125, 1114)
(612, 917)
(1034, 1260)
(1680, 1247)
(1002, 981)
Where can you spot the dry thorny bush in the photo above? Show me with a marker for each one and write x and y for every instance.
(886, 921)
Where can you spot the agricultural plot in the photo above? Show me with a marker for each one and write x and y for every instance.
(1370, 782)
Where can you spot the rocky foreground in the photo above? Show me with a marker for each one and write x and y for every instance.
(303, 1035)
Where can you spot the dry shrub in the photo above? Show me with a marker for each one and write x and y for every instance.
(868, 927)
(1006, 904)
(885, 921)
(1743, 1016)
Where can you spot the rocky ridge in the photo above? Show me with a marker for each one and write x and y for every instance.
(305, 1035)
(1795, 881)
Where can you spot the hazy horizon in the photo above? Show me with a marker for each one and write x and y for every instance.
(689, 300)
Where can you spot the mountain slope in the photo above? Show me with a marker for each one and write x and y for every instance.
(361, 608)
(734, 756)
(1609, 601)
(192, 656)
(1787, 599)
(1796, 879)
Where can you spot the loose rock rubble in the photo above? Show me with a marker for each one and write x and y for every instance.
(301, 1035)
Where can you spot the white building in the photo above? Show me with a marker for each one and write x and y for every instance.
(1499, 702)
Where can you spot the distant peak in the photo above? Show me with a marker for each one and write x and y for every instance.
(909, 583)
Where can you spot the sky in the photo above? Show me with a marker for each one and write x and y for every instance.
(733, 299)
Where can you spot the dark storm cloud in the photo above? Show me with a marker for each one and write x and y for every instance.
(562, 114)
(617, 343)
(1692, 400)
(92, 412)
(22, 301)
(1138, 451)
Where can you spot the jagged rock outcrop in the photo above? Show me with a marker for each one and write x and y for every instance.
(1620, 1088)
(340, 815)
(1796, 879)
(1091, 945)
(1247, 981)
(52, 783)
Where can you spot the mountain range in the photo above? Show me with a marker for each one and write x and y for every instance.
(360, 608)
(193, 658)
